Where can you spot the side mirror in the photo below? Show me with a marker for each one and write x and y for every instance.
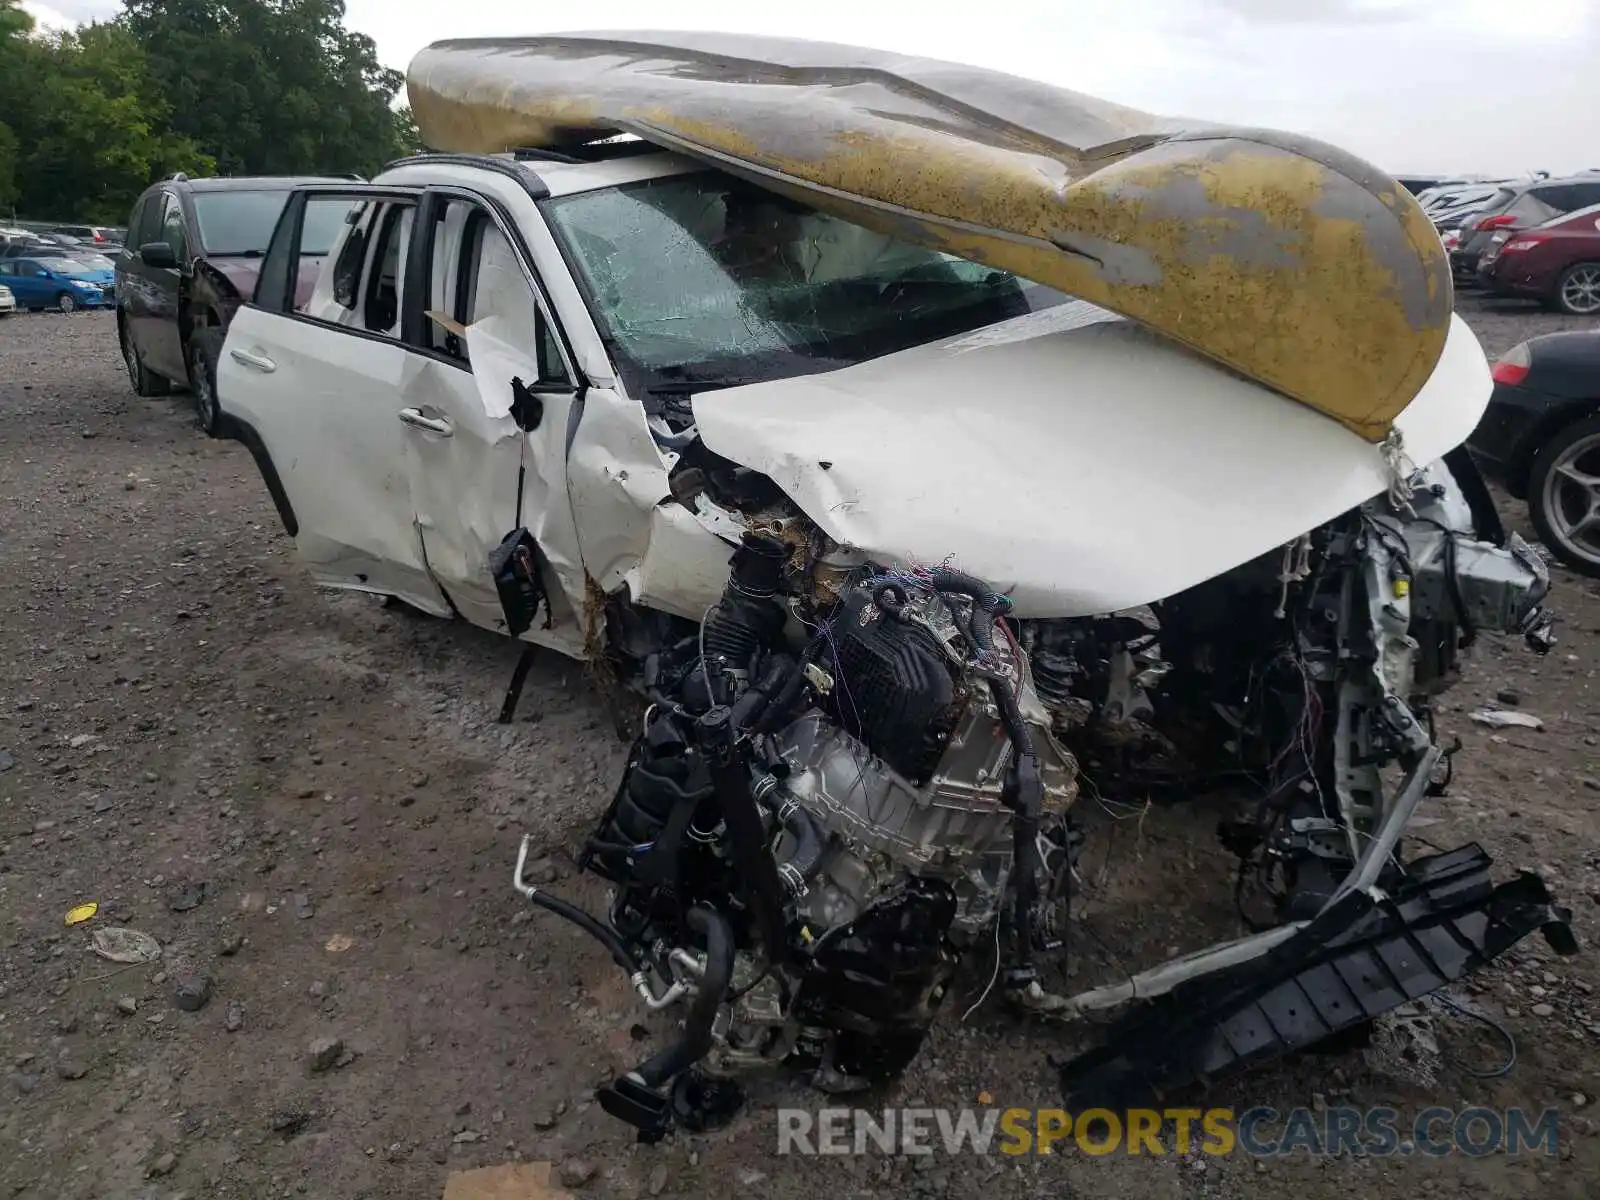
(158, 254)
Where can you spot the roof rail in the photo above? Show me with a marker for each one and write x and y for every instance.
(531, 183)
(604, 150)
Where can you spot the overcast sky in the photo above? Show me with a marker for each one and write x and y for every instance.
(1472, 86)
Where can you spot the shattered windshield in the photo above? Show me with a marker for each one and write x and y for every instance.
(705, 280)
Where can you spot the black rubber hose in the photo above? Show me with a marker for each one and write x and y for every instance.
(756, 699)
(987, 600)
(746, 830)
(796, 870)
(696, 1040)
(783, 703)
(608, 938)
(1025, 794)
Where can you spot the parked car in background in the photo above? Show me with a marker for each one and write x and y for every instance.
(99, 235)
(193, 252)
(31, 245)
(1447, 207)
(93, 259)
(1519, 206)
(1541, 436)
(8, 301)
(1417, 184)
(1557, 262)
(63, 284)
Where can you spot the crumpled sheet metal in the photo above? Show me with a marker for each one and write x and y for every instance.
(1287, 260)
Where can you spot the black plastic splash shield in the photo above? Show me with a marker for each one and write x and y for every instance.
(1359, 958)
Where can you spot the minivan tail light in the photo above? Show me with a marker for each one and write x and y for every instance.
(1500, 221)
(1513, 366)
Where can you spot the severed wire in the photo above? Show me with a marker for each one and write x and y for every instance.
(993, 976)
(1506, 1036)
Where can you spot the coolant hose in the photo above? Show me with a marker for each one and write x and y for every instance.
(797, 870)
(696, 1040)
(783, 703)
(1024, 792)
(730, 776)
(755, 699)
(608, 938)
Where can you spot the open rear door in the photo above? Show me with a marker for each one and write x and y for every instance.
(310, 380)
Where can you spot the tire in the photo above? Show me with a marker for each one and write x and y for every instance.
(1578, 290)
(144, 382)
(66, 302)
(205, 346)
(1564, 495)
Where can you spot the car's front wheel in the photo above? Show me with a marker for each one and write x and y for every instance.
(204, 348)
(1578, 289)
(66, 302)
(1564, 495)
(144, 382)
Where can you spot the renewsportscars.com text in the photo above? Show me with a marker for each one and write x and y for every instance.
(1259, 1132)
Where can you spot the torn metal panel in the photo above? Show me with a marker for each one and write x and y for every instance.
(1057, 408)
(1364, 955)
(684, 564)
(617, 477)
(459, 525)
(1283, 258)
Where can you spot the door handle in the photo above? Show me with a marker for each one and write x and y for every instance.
(414, 416)
(256, 362)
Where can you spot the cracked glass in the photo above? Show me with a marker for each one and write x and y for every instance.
(704, 279)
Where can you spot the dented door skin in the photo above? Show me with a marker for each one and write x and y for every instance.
(470, 462)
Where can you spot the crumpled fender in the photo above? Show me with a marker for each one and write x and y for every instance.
(1285, 259)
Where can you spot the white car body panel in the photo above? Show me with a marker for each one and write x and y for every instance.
(1070, 457)
(327, 408)
(1082, 467)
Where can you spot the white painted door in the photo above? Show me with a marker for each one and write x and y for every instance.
(315, 385)
(463, 451)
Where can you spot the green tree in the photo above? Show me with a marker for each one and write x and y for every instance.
(15, 26)
(92, 126)
(273, 87)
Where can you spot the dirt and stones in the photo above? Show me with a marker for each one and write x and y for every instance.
(178, 707)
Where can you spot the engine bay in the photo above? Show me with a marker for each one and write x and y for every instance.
(852, 778)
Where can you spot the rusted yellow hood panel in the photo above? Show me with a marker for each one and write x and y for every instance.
(1292, 262)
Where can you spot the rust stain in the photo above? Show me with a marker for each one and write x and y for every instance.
(1280, 267)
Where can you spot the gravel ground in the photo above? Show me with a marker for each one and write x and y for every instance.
(304, 798)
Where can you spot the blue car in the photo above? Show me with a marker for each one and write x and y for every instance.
(64, 284)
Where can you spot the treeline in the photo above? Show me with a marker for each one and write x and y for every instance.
(89, 118)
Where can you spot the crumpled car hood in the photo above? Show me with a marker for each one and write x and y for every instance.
(1070, 457)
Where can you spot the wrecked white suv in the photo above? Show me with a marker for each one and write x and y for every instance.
(901, 547)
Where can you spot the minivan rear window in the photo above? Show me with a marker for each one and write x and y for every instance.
(240, 222)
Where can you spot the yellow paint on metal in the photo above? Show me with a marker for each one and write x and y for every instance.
(1281, 258)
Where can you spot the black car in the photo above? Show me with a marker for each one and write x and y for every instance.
(192, 254)
(1541, 436)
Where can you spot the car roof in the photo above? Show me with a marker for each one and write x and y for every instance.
(249, 183)
(541, 174)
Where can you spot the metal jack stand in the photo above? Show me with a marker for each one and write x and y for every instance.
(519, 676)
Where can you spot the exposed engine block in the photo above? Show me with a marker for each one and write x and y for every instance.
(850, 777)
